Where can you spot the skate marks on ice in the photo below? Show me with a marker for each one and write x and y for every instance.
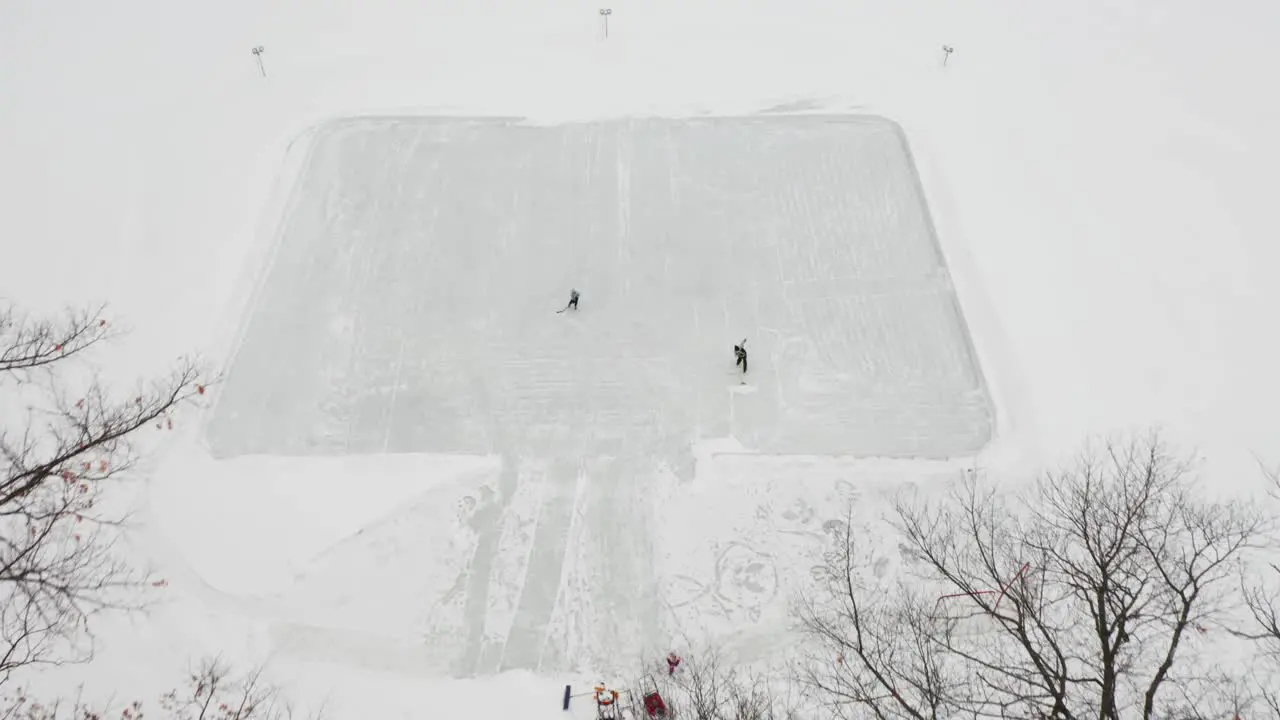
(526, 569)
(423, 258)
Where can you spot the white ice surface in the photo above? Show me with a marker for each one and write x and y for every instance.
(410, 303)
(1101, 175)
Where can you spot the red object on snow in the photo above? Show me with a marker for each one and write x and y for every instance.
(673, 662)
(654, 705)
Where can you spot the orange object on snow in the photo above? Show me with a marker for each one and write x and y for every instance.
(605, 696)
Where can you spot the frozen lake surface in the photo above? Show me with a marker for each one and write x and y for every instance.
(411, 303)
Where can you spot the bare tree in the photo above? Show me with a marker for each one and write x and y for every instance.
(874, 650)
(214, 692)
(64, 439)
(211, 691)
(705, 688)
(1090, 595)
(1261, 588)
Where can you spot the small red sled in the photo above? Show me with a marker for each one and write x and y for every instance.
(654, 705)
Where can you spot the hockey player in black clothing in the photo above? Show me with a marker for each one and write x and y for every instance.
(573, 302)
(740, 352)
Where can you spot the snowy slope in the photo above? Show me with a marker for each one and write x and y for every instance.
(1100, 178)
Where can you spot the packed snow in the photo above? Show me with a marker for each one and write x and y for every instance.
(421, 491)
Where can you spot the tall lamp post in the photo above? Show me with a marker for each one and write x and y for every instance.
(257, 54)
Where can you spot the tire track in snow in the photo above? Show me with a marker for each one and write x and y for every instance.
(545, 566)
(487, 524)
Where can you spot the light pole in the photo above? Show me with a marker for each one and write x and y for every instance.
(604, 15)
(257, 54)
(946, 54)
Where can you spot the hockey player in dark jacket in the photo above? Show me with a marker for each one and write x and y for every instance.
(573, 302)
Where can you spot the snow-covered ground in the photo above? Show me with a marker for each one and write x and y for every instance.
(1099, 176)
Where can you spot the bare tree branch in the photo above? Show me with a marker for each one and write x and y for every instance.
(65, 441)
(212, 691)
(1260, 588)
(26, 344)
(705, 688)
(1089, 595)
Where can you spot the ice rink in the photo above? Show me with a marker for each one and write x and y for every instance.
(411, 307)
(411, 304)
